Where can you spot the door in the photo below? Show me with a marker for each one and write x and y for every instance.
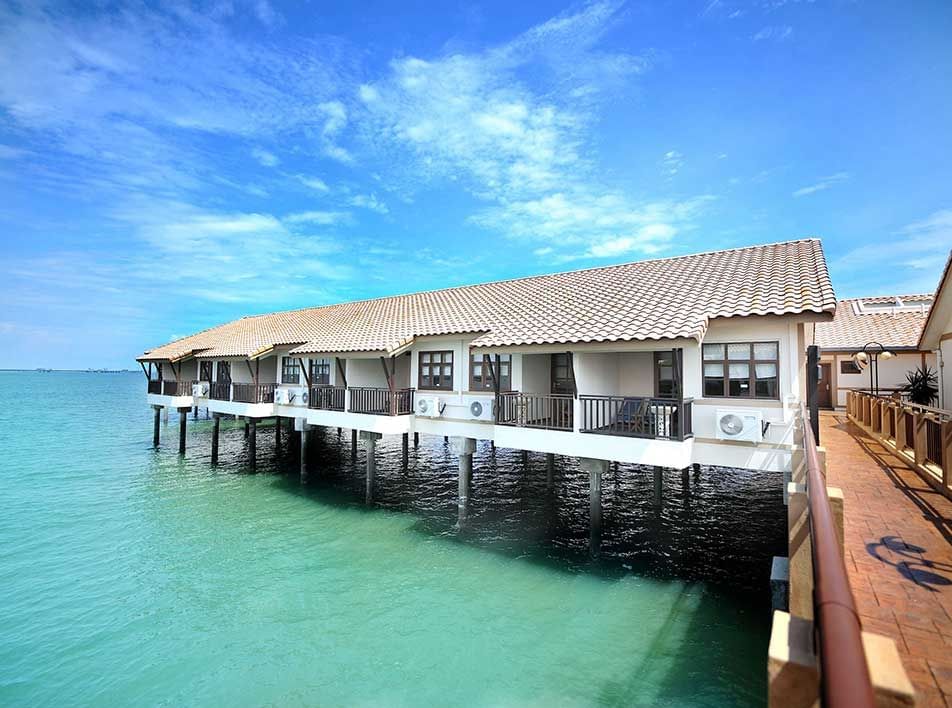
(824, 391)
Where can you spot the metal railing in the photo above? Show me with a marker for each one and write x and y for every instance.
(381, 401)
(534, 410)
(638, 417)
(253, 393)
(327, 398)
(844, 673)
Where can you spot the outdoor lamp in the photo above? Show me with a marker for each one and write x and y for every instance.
(886, 355)
(861, 357)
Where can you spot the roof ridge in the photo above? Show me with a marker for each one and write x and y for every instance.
(878, 297)
(533, 277)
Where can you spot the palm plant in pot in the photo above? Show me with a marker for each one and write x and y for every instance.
(922, 386)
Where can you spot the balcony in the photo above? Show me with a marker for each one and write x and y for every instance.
(220, 391)
(155, 387)
(327, 398)
(381, 401)
(175, 388)
(253, 393)
(637, 417)
(530, 410)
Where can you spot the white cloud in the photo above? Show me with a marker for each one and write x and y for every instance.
(773, 32)
(315, 183)
(7, 152)
(265, 158)
(323, 218)
(672, 162)
(369, 201)
(823, 183)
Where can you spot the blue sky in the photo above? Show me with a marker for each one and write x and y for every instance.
(166, 169)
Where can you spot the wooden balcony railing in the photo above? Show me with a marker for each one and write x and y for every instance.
(155, 387)
(638, 417)
(253, 393)
(220, 391)
(326, 398)
(381, 401)
(177, 388)
(532, 410)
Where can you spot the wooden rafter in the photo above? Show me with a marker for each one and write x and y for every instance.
(340, 371)
(571, 361)
(307, 376)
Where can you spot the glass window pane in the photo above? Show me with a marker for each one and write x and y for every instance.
(739, 380)
(713, 380)
(765, 350)
(425, 358)
(738, 351)
(713, 351)
(448, 357)
(766, 380)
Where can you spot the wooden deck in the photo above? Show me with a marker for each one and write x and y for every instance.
(898, 537)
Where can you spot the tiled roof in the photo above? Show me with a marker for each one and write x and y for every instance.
(855, 325)
(646, 300)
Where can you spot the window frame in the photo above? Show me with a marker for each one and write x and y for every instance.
(315, 369)
(505, 380)
(852, 364)
(441, 363)
(559, 386)
(224, 367)
(751, 363)
(206, 366)
(658, 356)
(289, 363)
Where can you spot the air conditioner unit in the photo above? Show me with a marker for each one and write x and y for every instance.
(296, 396)
(200, 390)
(429, 407)
(281, 396)
(746, 425)
(303, 397)
(480, 408)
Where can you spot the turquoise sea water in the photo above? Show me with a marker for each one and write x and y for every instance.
(131, 576)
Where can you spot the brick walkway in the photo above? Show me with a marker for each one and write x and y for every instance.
(898, 534)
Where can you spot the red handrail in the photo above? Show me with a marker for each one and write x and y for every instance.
(844, 674)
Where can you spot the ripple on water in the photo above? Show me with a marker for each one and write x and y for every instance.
(131, 575)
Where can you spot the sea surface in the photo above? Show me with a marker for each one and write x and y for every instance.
(131, 576)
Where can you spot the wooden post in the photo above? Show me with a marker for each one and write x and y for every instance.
(246, 429)
(183, 419)
(353, 444)
(525, 457)
(416, 440)
(658, 485)
(252, 443)
(919, 437)
(945, 440)
(406, 450)
(157, 410)
(277, 435)
(900, 428)
(216, 427)
(813, 384)
(195, 413)
(549, 471)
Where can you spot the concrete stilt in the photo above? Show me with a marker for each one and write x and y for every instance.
(246, 428)
(446, 438)
(549, 470)
(370, 440)
(338, 433)
(304, 453)
(464, 447)
(525, 457)
(195, 413)
(277, 435)
(252, 428)
(155, 425)
(658, 485)
(353, 444)
(216, 429)
(165, 415)
(406, 450)
(416, 440)
(183, 419)
(595, 470)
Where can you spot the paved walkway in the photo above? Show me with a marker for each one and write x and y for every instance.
(898, 534)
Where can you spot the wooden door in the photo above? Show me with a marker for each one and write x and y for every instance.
(824, 387)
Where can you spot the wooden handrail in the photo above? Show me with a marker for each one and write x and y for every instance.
(844, 673)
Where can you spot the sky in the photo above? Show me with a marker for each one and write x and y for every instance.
(165, 167)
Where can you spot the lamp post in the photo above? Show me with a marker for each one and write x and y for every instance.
(871, 354)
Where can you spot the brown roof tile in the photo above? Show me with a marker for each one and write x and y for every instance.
(854, 325)
(656, 299)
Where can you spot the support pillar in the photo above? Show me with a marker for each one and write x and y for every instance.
(183, 419)
(406, 450)
(277, 435)
(252, 428)
(370, 440)
(549, 471)
(595, 470)
(304, 453)
(658, 485)
(246, 428)
(525, 457)
(416, 440)
(195, 413)
(338, 433)
(464, 447)
(353, 444)
(216, 429)
(155, 425)
(165, 415)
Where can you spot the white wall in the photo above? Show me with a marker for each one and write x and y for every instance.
(459, 347)
(945, 374)
(892, 372)
(635, 374)
(536, 373)
(365, 372)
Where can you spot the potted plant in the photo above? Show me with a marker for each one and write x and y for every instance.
(922, 386)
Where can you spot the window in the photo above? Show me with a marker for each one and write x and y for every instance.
(436, 371)
(320, 372)
(664, 374)
(205, 371)
(224, 372)
(480, 373)
(741, 370)
(290, 370)
(848, 366)
(562, 379)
